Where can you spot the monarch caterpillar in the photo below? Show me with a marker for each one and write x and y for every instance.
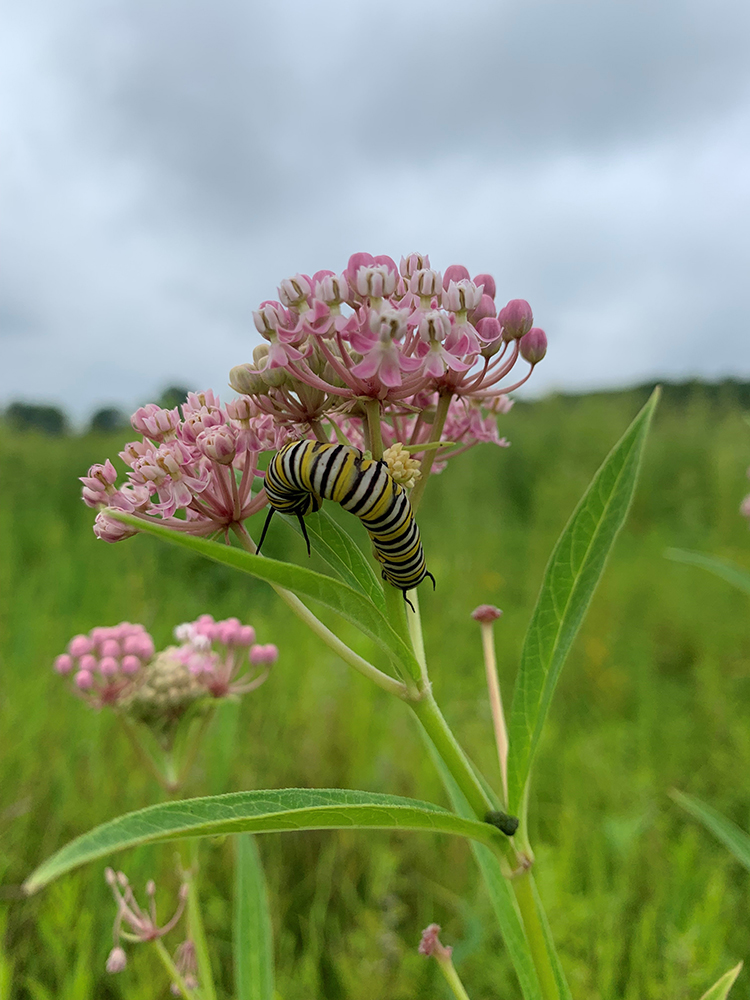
(304, 473)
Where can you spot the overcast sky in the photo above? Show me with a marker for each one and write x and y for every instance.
(168, 162)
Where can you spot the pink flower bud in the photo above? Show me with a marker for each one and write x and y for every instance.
(79, 645)
(486, 614)
(516, 318)
(130, 665)
(429, 942)
(84, 680)
(63, 663)
(88, 662)
(533, 345)
(489, 284)
(456, 272)
(218, 444)
(228, 630)
(262, 655)
(108, 529)
(108, 666)
(246, 636)
(117, 960)
(110, 647)
(485, 308)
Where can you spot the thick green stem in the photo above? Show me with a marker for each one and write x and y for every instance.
(372, 409)
(535, 935)
(174, 975)
(429, 456)
(331, 640)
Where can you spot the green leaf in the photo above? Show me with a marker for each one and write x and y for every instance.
(349, 603)
(499, 889)
(574, 569)
(720, 989)
(342, 553)
(728, 571)
(724, 829)
(272, 811)
(253, 935)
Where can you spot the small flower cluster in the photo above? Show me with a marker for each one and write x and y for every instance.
(405, 336)
(193, 472)
(117, 667)
(223, 656)
(108, 664)
(140, 924)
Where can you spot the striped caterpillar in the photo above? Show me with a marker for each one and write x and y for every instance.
(304, 473)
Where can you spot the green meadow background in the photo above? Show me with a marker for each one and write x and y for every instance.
(656, 694)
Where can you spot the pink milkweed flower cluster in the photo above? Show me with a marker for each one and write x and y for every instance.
(223, 656)
(192, 471)
(133, 922)
(108, 664)
(404, 335)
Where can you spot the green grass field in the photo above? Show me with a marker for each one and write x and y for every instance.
(655, 695)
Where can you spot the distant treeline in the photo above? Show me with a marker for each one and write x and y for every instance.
(729, 393)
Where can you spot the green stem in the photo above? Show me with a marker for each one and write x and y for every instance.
(496, 704)
(417, 639)
(172, 971)
(428, 713)
(438, 424)
(197, 930)
(331, 640)
(532, 924)
(372, 410)
(451, 976)
(143, 755)
(192, 751)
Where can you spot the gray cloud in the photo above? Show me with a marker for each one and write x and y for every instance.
(171, 162)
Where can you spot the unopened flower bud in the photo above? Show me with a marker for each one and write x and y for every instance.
(533, 345)
(63, 663)
(84, 680)
(79, 645)
(218, 444)
(109, 529)
(403, 469)
(456, 272)
(117, 960)
(246, 379)
(486, 614)
(491, 334)
(485, 308)
(108, 666)
(516, 319)
(294, 291)
(130, 665)
(413, 263)
(489, 284)
(274, 377)
(262, 655)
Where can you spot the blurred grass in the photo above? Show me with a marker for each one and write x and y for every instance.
(656, 694)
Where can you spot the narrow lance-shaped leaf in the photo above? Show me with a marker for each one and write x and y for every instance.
(720, 989)
(341, 553)
(266, 811)
(570, 579)
(731, 836)
(728, 571)
(253, 935)
(349, 603)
